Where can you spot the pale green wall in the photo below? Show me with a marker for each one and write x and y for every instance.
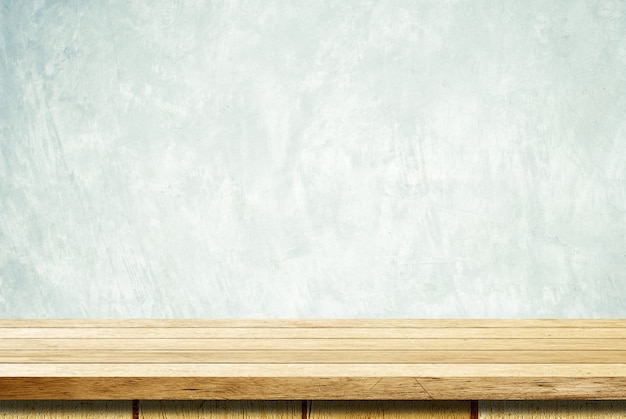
(313, 158)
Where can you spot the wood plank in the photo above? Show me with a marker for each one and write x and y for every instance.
(121, 356)
(315, 360)
(568, 409)
(526, 388)
(298, 370)
(316, 344)
(318, 388)
(53, 409)
(201, 388)
(310, 333)
(333, 409)
(218, 409)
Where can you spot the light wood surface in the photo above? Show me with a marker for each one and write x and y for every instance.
(322, 409)
(216, 409)
(333, 409)
(54, 409)
(313, 359)
(307, 409)
(566, 409)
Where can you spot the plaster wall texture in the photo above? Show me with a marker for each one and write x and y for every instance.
(313, 159)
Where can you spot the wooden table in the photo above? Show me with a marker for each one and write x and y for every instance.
(313, 359)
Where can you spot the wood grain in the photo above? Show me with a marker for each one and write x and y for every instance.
(53, 409)
(200, 388)
(323, 409)
(217, 409)
(313, 359)
(304, 409)
(566, 409)
(336, 344)
(332, 409)
(310, 332)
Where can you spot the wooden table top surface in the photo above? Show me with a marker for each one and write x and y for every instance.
(313, 359)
